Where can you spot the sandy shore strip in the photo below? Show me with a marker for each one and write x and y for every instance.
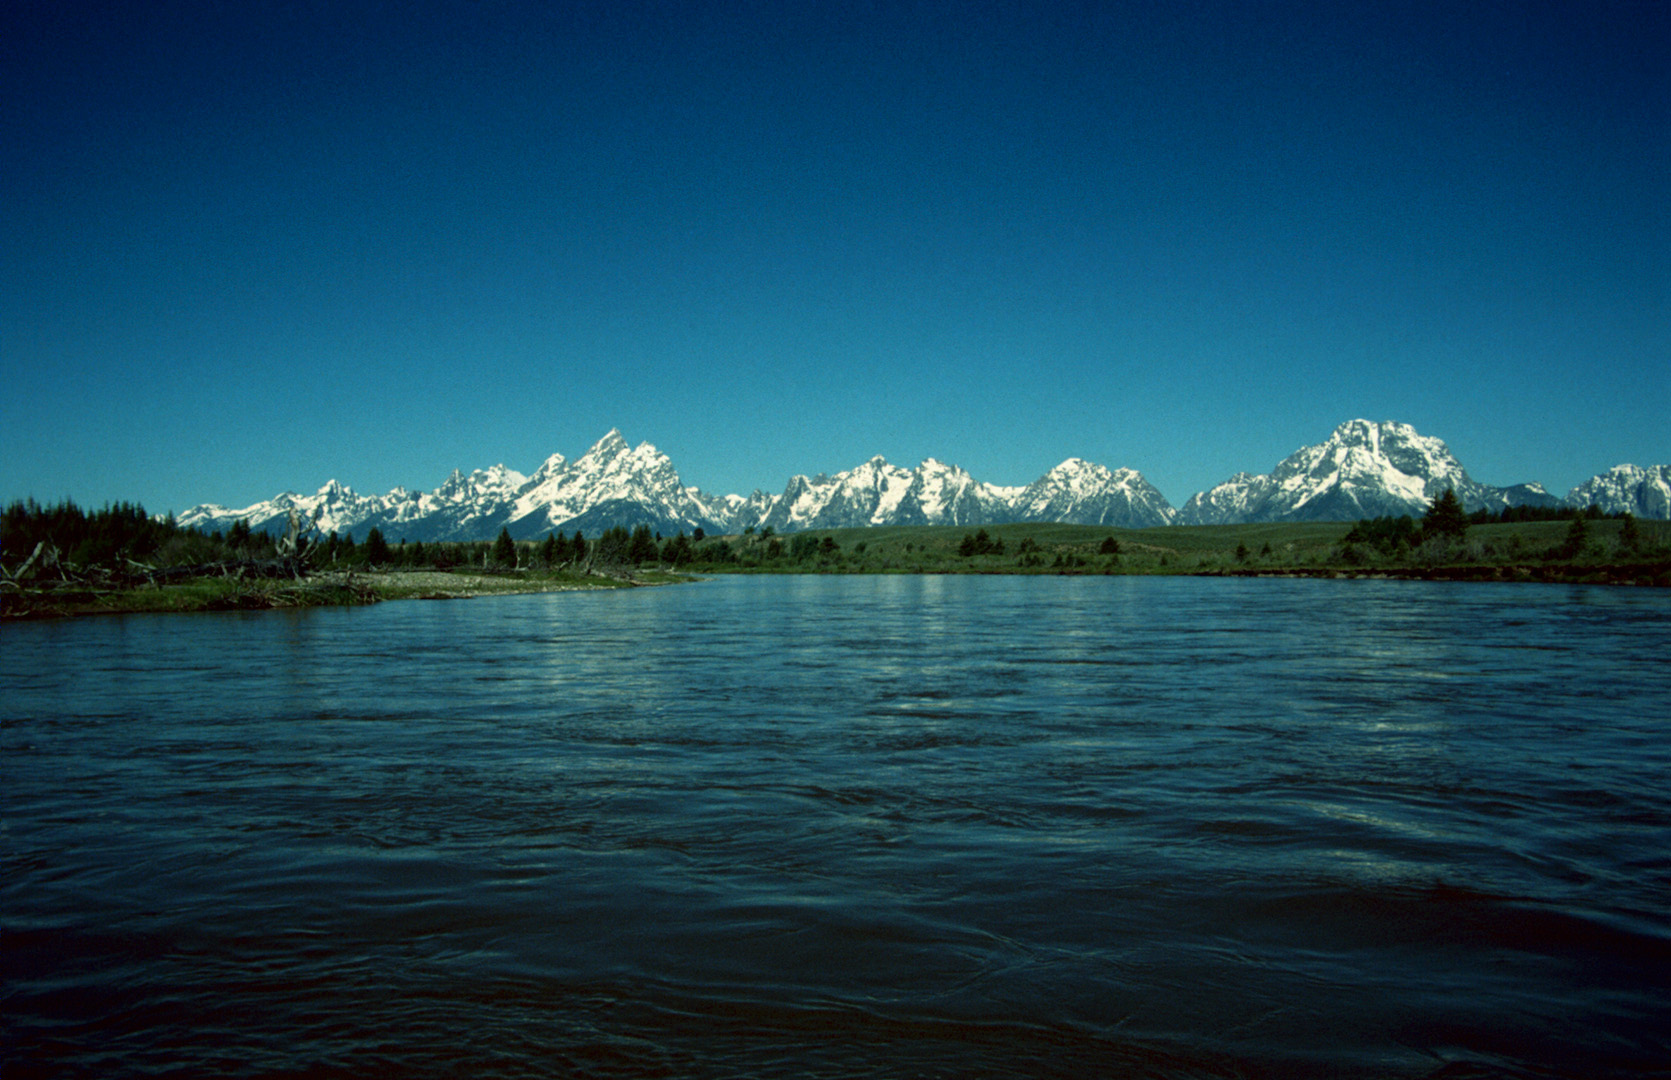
(455, 585)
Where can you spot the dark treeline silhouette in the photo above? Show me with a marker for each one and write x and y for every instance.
(122, 533)
(1404, 536)
(116, 532)
(1444, 518)
(1511, 514)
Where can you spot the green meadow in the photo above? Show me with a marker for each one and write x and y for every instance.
(1593, 550)
(1535, 550)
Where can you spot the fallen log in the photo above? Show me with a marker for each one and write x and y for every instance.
(237, 569)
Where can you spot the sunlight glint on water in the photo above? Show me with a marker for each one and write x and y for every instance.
(848, 826)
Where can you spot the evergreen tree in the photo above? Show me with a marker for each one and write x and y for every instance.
(641, 548)
(376, 548)
(716, 551)
(1578, 538)
(610, 548)
(1384, 534)
(1630, 536)
(548, 550)
(678, 551)
(1445, 517)
(122, 530)
(504, 549)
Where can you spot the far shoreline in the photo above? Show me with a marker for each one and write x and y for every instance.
(351, 588)
(331, 588)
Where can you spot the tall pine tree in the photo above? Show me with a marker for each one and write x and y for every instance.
(376, 548)
(1445, 517)
(504, 549)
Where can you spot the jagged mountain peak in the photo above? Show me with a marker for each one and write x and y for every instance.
(1362, 430)
(610, 445)
(1365, 468)
(1086, 492)
(1362, 469)
(453, 485)
(497, 474)
(1382, 443)
(614, 483)
(1074, 473)
(1078, 470)
(549, 467)
(1627, 489)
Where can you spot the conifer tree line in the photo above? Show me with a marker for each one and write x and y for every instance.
(1444, 528)
(125, 532)
(117, 531)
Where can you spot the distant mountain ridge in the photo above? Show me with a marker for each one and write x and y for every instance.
(1363, 469)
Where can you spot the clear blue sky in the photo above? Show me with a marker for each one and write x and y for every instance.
(251, 247)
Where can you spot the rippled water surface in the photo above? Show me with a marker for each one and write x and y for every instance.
(882, 826)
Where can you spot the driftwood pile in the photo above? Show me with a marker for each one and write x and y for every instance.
(45, 569)
(45, 583)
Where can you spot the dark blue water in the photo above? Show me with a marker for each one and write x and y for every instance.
(885, 826)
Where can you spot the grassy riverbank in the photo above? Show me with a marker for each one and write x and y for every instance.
(1521, 551)
(1540, 551)
(57, 599)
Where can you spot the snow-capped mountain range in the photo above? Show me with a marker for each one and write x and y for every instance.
(1363, 469)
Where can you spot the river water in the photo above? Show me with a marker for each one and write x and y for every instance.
(847, 826)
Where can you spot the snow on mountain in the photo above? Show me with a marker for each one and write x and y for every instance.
(1627, 489)
(734, 513)
(935, 493)
(861, 496)
(1228, 502)
(942, 494)
(611, 484)
(1364, 469)
(877, 493)
(1090, 494)
(338, 507)
(599, 489)
(472, 505)
(614, 484)
(1532, 494)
